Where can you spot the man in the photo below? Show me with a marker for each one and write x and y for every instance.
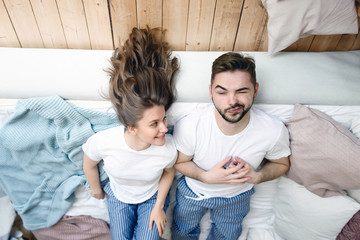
(229, 129)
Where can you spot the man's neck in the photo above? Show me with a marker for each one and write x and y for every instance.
(228, 128)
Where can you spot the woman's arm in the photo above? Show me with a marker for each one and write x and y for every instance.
(158, 214)
(92, 175)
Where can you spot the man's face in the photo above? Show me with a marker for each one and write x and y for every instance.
(233, 94)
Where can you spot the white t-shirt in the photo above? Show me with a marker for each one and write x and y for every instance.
(134, 175)
(198, 135)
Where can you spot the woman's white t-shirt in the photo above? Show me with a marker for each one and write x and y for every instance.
(134, 175)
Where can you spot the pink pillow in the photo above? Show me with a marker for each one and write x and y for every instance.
(325, 155)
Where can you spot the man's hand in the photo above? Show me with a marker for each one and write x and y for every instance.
(235, 173)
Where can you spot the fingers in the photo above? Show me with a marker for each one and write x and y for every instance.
(151, 223)
(223, 162)
(161, 227)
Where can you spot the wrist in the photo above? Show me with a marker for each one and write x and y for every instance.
(204, 177)
(259, 177)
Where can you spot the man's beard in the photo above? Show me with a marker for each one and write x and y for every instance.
(239, 115)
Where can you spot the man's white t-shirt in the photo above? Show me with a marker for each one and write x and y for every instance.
(134, 175)
(198, 135)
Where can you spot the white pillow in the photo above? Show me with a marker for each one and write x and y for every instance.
(300, 214)
(290, 20)
(355, 129)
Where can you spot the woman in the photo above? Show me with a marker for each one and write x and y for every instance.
(138, 156)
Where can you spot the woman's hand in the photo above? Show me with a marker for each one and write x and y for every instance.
(98, 195)
(159, 217)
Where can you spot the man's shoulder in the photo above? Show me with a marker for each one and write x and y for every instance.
(200, 113)
(265, 118)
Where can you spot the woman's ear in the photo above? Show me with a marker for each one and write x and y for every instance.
(132, 130)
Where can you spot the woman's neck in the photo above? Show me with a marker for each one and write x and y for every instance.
(134, 142)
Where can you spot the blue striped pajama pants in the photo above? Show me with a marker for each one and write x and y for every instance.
(131, 221)
(226, 214)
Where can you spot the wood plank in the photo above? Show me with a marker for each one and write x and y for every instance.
(123, 16)
(323, 43)
(301, 45)
(226, 20)
(24, 22)
(356, 45)
(252, 27)
(74, 24)
(346, 42)
(149, 12)
(98, 22)
(201, 14)
(175, 16)
(8, 36)
(264, 41)
(48, 20)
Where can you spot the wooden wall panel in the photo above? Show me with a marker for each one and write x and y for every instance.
(24, 22)
(49, 23)
(175, 17)
(98, 22)
(323, 43)
(226, 21)
(356, 44)
(149, 13)
(346, 42)
(301, 45)
(74, 23)
(123, 15)
(252, 27)
(189, 25)
(8, 36)
(201, 14)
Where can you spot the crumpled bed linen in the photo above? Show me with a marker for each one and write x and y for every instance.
(75, 227)
(41, 156)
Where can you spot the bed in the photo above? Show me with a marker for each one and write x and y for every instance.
(315, 94)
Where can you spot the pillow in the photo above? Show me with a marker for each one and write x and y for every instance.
(293, 19)
(324, 154)
(300, 214)
(355, 129)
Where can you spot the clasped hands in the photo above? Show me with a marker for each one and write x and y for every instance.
(236, 172)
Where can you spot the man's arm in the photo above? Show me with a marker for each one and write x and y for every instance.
(270, 170)
(216, 175)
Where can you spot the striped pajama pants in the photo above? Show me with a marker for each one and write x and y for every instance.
(226, 214)
(131, 221)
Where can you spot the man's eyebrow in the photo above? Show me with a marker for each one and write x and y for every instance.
(237, 90)
(221, 87)
(242, 89)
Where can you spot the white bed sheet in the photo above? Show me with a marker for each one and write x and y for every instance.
(259, 222)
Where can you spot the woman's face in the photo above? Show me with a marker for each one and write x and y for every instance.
(151, 128)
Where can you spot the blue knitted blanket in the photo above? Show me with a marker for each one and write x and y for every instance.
(41, 156)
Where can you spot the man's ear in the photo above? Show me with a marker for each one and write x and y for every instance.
(256, 90)
(210, 93)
